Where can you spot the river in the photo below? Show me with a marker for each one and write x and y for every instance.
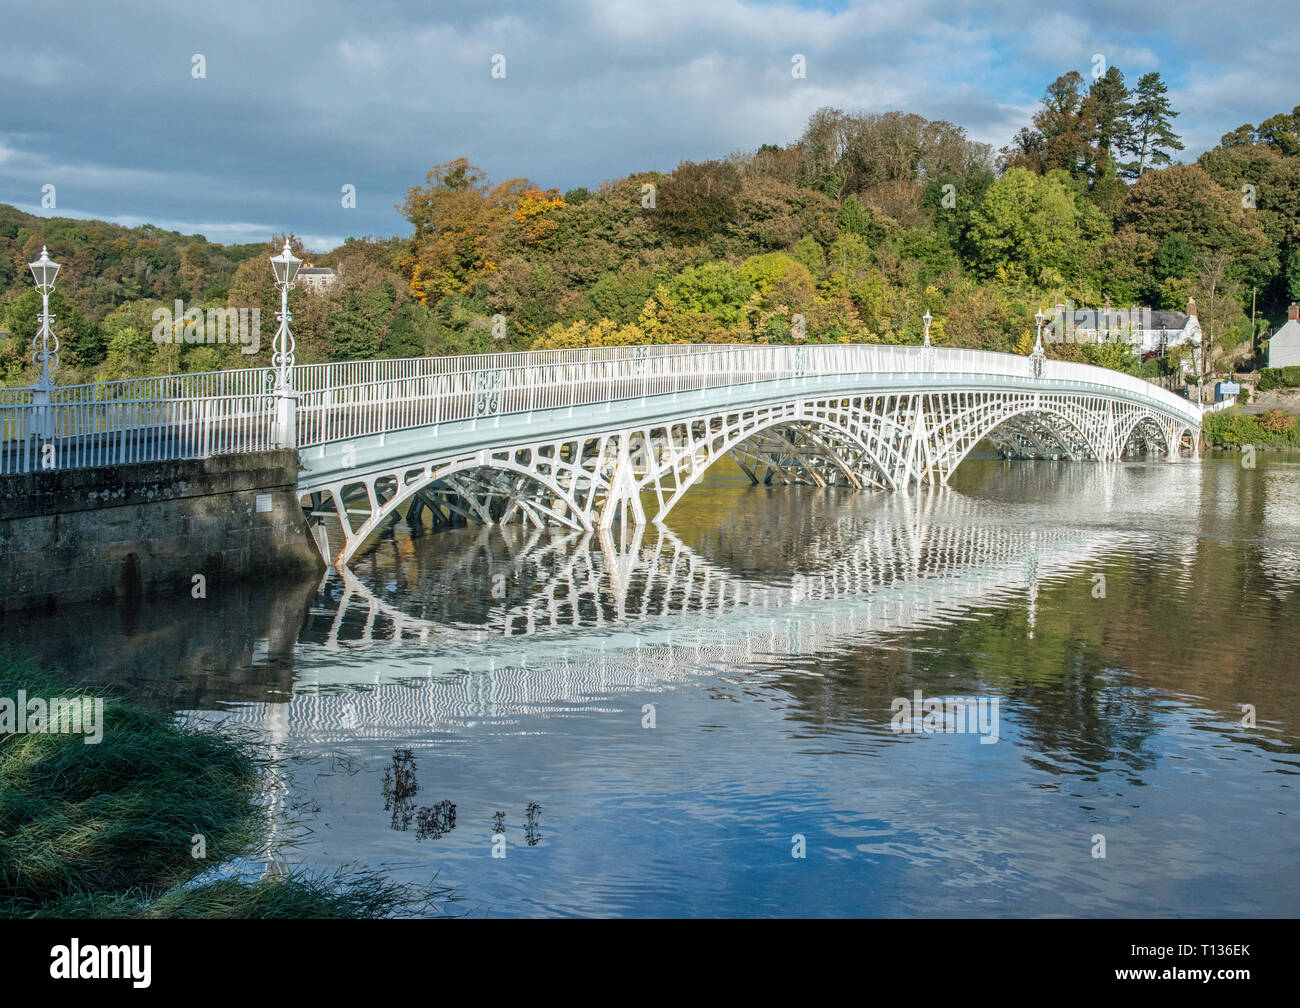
(728, 716)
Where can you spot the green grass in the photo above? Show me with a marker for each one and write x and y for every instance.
(106, 830)
(298, 895)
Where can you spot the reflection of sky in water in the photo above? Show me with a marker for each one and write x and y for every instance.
(773, 720)
(770, 629)
(697, 814)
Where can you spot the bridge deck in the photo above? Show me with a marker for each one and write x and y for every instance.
(193, 416)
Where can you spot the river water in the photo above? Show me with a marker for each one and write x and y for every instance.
(728, 716)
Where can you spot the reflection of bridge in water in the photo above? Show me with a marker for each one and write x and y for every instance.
(586, 615)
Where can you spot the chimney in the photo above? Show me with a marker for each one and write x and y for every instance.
(1294, 313)
(1191, 307)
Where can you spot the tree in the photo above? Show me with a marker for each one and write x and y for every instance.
(1221, 308)
(1026, 150)
(1027, 225)
(621, 296)
(1175, 257)
(1269, 182)
(1184, 200)
(81, 342)
(1282, 132)
(458, 219)
(716, 289)
(697, 201)
(1064, 132)
(855, 219)
(1067, 125)
(809, 252)
(1242, 136)
(1291, 273)
(821, 148)
(1123, 266)
(1151, 136)
(1109, 106)
(132, 350)
(1277, 421)
(195, 269)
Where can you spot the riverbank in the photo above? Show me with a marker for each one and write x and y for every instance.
(1234, 428)
(134, 813)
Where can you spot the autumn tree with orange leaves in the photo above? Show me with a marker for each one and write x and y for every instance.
(459, 221)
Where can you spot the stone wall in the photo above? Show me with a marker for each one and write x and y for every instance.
(81, 535)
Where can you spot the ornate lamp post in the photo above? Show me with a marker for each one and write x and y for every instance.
(285, 266)
(926, 318)
(45, 345)
(1039, 355)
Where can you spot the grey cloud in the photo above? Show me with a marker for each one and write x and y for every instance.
(300, 100)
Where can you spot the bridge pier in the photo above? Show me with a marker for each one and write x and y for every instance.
(79, 535)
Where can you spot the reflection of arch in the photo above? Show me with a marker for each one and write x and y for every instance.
(894, 570)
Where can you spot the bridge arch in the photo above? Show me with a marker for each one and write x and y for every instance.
(1147, 429)
(997, 415)
(470, 479)
(838, 446)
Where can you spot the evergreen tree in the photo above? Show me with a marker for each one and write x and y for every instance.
(1110, 107)
(1151, 131)
(856, 219)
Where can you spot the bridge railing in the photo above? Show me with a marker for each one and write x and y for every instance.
(317, 377)
(538, 383)
(313, 377)
(208, 413)
(76, 435)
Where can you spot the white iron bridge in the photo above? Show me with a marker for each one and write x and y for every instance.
(585, 438)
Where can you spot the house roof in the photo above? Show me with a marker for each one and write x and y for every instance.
(1168, 319)
(1090, 318)
(316, 271)
(1288, 335)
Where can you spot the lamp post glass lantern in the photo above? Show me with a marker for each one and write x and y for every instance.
(285, 266)
(44, 270)
(45, 345)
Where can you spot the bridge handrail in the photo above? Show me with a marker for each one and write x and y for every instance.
(311, 377)
(236, 413)
(375, 407)
(86, 434)
(316, 377)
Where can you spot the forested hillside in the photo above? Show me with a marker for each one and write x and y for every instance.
(859, 226)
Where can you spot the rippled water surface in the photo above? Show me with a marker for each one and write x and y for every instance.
(684, 703)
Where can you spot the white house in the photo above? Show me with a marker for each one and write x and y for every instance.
(1148, 332)
(316, 278)
(1284, 346)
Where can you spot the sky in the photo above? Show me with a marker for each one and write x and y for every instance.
(238, 120)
